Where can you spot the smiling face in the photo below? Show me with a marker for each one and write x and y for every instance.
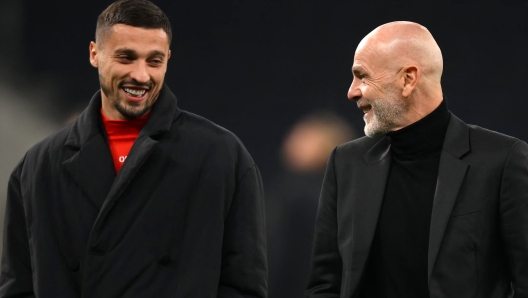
(375, 91)
(132, 62)
(397, 70)
(383, 113)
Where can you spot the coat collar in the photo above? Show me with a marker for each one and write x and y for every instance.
(92, 165)
(89, 123)
(456, 142)
(378, 152)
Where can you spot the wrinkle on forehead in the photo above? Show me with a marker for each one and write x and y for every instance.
(374, 71)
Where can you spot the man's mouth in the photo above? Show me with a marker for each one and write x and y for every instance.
(365, 108)
(135, 92)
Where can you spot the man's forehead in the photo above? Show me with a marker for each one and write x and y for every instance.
(363, 60)
(372, 56)
(119, 27)
(136, 39)
(363, 43)
(123, 33)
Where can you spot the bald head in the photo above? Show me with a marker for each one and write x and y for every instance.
(400, 44)
(397, 71)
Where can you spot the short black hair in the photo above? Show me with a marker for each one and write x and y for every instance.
(136, 13)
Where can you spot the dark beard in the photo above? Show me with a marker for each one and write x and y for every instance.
(122, 109)
(130, 114)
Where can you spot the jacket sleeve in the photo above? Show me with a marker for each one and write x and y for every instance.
(244, 264)
(16, 277)
(514, 216)
(326, 266)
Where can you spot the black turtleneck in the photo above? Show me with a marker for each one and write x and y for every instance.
(397, 264)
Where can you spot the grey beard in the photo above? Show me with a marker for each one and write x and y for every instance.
(387, 111)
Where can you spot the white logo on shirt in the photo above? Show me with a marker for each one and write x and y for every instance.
(122, 158)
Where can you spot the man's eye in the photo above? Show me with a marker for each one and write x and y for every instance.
(363, 79)
(125, 58)
(156, 62)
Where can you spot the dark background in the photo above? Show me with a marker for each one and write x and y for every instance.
(256, 66)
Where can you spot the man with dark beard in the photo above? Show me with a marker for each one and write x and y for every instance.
(135, 198)
(425, 205)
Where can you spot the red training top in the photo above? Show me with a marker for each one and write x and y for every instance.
(121, 136)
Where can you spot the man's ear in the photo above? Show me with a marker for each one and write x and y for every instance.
(411, 74)
(93, 54)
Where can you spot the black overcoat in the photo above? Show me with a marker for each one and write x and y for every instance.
(478, 240)
(184, 217)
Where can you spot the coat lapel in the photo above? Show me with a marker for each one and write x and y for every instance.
(163, 113)
(160, 121)
(367, 206)
(91, 166)
(139, 153)
(451, 174)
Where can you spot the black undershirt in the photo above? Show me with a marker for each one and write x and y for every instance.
(397, 265)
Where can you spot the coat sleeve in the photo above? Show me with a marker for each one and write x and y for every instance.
(244, 264)
(16, 277)
(514, 216)
(326, 266)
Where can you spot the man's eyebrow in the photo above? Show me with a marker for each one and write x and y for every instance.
(357, 69)
(156, 53)
(134, 53)
(125, 51)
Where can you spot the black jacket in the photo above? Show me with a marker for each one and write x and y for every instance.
(478, 243)
(183, 218)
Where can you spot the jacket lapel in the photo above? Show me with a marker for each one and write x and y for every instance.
(91, 166)
(160, 121)
(451, 174)
(139, 153)
(369, 192)
(163, 113)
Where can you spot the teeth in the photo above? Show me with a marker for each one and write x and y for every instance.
(137, 93)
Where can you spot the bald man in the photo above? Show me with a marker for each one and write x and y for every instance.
(424, 205)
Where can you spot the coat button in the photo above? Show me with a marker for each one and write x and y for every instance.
(165, 260)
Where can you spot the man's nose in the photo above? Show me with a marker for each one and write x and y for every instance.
(140, 73)
(354, 93)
